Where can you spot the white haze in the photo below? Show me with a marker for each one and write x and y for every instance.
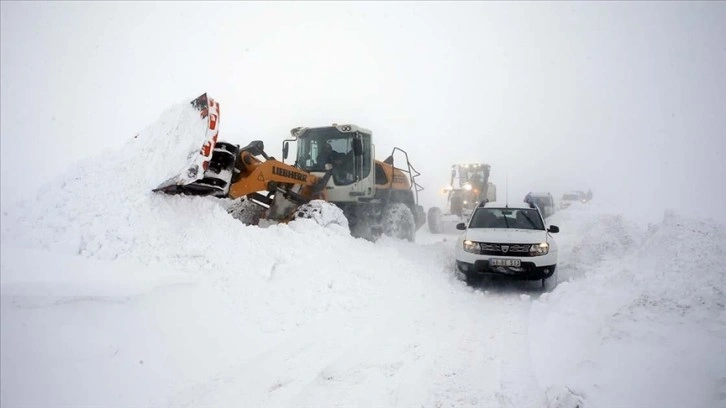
(628, 99)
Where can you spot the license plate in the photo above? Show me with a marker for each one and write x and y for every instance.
(516, 263)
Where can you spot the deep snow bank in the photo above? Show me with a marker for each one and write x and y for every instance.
(641, 320)
(589, 235)
(92, 208)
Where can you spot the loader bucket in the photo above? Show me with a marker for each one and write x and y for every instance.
(189, 178)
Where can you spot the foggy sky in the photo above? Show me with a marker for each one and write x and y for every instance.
(625, 98)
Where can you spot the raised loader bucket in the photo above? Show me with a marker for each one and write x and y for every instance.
(194, 177)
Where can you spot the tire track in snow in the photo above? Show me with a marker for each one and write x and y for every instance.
(495, 370)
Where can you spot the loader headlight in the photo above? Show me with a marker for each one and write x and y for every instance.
(539, 249)
(471, 246)
(467, 186)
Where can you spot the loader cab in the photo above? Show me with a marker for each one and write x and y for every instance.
(347, 149)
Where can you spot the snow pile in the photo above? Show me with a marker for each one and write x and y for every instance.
(179, 133)
(114, 188)
(590, 234)
(682, 268)
(645, 324)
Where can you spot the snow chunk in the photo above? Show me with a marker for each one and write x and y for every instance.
(323, 213)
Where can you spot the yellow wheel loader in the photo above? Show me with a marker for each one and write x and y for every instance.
(469, 185)
(335, 164)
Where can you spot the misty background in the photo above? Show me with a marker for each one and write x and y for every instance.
(625, 98)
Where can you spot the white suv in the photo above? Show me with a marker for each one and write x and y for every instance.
(509, 241)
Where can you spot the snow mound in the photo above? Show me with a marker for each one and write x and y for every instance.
(179, 133)
(592, 236)
(652, 307)
(683, 268)
(89, 208)
(606, 236)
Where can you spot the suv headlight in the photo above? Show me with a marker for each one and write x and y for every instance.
(471, 246)
(539, 249)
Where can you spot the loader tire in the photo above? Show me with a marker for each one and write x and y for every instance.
(457, 205)
(434, 220)
(398, 222)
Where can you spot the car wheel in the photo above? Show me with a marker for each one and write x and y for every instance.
(434, 220)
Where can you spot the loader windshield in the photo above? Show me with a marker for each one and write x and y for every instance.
(319, 146)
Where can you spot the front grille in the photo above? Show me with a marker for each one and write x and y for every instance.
(511, 249)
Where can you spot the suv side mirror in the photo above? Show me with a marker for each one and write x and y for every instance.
(461, 226)
(553, 229)
(285, 148)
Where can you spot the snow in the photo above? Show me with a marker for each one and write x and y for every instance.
(115, 296)
(648, 319)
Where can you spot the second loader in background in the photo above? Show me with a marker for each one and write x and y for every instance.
(469, 186)
(334, 165)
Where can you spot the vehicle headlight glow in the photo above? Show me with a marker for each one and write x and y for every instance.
(540, 249)
(467, 186)
(471, 246)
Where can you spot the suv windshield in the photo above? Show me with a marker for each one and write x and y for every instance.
(507, 218)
